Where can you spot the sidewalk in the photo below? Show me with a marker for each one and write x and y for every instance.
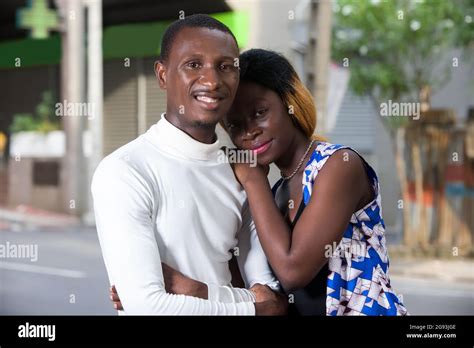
(24, 216)
(449, 270)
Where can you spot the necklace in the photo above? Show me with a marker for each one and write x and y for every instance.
(299, 164)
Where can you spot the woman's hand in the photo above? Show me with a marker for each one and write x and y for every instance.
(175, 283)
(245, 172)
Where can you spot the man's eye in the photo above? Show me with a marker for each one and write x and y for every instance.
(193, 65)
(226, 67)
(260, 112)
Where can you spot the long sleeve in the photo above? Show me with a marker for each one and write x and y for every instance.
(123, 203)
(252, 262)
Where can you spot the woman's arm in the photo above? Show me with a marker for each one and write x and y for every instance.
(297, 257)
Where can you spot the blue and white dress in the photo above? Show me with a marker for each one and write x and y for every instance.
(358, 279)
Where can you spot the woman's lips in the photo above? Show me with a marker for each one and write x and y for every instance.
(262, 148)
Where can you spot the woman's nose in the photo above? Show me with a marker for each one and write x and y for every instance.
(251, 133)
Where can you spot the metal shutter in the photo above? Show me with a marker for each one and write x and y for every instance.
(120, 104)
(155, 97)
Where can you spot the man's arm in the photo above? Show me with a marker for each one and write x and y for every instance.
(123, 204)
(252, 263)
(251, 258)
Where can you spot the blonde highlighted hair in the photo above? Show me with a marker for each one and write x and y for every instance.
(301, 108)
(273, 71)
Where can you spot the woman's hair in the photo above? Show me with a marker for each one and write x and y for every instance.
(273, 71)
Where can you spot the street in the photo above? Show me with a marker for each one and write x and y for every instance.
(69, 277)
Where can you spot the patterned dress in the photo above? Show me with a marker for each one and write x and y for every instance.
(358, 282)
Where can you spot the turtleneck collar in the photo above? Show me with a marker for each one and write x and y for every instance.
(176, 142)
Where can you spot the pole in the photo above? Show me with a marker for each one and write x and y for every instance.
(321, 13)
(72, 91)
(95, 93)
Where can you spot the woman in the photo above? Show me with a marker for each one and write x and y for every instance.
(320, 226)
(322, 229)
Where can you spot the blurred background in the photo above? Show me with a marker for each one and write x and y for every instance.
(393, 79)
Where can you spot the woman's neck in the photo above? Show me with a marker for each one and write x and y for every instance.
(290, 159)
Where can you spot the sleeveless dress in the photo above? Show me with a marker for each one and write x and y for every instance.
(355, 280)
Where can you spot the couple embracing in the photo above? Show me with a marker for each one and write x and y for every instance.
(185, 233)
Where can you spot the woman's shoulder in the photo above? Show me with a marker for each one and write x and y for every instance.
(336, 158)
(339, 166)
(333, 167)
(325, 148)
(322, 152)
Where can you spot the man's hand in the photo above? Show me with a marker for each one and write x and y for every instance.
(114, 297)
(175, 283)
(269, 302)
(263, 293)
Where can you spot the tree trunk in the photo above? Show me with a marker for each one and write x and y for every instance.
(421, 228)
(402, 176)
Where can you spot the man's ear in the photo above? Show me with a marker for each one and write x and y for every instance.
(160, 72)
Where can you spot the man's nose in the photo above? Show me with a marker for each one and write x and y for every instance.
(210, 78)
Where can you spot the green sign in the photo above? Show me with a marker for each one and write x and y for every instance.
(37, 17)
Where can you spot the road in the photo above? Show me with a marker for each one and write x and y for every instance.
(69, 278)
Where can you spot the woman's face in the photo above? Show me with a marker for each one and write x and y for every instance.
(259, 121)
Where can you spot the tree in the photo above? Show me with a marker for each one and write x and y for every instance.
(44, 119)
(397, 50)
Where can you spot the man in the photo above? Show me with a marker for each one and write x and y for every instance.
(165, 197)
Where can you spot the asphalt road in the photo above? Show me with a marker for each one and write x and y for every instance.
(69, 277)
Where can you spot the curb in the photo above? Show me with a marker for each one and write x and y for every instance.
(445, 270)
(25, 215)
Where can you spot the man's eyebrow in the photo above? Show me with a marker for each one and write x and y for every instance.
(193, 55)
(200, 55)
(228, 57)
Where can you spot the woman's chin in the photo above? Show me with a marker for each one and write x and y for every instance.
(264, 161)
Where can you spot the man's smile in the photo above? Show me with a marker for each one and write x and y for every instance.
(208, 100)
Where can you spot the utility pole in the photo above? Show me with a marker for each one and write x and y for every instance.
(319, 58)
(72, 91)
(95, 94)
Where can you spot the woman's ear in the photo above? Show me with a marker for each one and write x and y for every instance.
(160, 72)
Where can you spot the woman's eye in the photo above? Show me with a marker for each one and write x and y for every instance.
(260, 112)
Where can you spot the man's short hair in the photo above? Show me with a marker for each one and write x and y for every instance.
(193, 21)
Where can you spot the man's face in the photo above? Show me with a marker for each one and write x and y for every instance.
(199, 76)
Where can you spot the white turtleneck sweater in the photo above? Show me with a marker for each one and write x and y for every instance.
(165, 197)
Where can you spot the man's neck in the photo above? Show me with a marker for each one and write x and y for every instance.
(203, 134)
